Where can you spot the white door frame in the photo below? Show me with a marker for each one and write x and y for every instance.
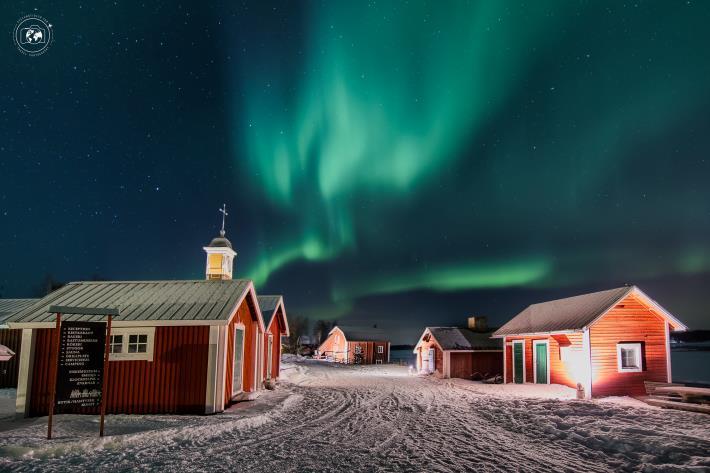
(242, 328)
(269, 355)
(535, 343)
(521, 342)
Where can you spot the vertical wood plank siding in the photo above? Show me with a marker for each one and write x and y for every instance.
(8, 369)
(561, 372)
(630, 321)
(173, 383)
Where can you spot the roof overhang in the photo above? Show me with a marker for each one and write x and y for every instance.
(280, 305)
(421, 340)
(249, 292)
(676, 324)
(530, 334)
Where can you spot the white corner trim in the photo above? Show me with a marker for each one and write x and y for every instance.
(24, 381)
(505, 360)
(212, 363)
(587, 350)
(669, 375)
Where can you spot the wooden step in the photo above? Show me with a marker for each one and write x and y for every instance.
(684, 406)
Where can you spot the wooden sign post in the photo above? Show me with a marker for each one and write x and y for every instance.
(79, 377)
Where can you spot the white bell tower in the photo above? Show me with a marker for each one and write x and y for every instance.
(220, 255)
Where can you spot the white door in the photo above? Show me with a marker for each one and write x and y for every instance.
(432, 363)
(238, 365)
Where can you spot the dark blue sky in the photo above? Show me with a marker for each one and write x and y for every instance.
(388, 162)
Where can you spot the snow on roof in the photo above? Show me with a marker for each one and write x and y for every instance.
(573, 313)
(456, 338)
(362, 334)
(203, 300)
(11, 306)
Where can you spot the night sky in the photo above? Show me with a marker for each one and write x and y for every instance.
(398, 163)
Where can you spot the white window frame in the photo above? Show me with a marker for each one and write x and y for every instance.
(126, 332)
(238, 327)
(380, 349)
(639, 357)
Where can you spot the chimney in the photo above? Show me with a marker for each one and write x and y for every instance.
(477, 324)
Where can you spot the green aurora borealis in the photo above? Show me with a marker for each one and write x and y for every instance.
(382, 161)
(484, 145)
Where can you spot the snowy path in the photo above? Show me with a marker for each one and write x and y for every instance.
(327, 418)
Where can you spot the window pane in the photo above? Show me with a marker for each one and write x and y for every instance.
(142, 348)
(132, 338)
(142, 338)
(131, 348)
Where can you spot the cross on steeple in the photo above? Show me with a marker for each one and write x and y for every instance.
(224, 214)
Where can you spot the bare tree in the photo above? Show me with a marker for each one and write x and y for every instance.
(297, 326)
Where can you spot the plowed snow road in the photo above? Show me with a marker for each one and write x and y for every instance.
(338, 418)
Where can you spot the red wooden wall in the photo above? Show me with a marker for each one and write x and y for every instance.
(8, 369)
(561, 372)
(247, 315)
(629, 321)
(173, 383)
(463, 365)
(332, 348)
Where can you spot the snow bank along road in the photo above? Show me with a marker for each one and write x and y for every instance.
(378, 418)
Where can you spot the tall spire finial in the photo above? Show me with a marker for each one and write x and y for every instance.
(224, 214)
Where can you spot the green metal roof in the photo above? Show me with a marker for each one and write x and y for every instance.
(139, 301)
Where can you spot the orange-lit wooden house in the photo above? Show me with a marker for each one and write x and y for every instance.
(456, 352)
(176, 347)
(609, 342)
(11, 340)
(356, 345)
(274, 313)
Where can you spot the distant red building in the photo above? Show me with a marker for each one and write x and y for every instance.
(459, 352)
(362, 345)
(274, 313)
(610, 342)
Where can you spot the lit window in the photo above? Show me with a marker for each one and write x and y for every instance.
(380, 349)
(138, 343)
(116, 344)
(629, 357)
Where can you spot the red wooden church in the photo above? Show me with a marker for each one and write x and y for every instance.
(176, 347)
(609, 342)
(274, 313)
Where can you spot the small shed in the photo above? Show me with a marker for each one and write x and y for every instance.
(456, 352)
(609, 342)
(11, 340)
(274, 313)
(356, 345)
(178, 347)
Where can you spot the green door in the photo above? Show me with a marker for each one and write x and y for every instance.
(518, 362)
(541, 363)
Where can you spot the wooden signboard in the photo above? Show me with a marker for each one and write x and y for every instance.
(80, 368)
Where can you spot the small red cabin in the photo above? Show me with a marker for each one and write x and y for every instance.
(178, 347)
(356, 345)
(274, 313)
(454, 352)
(609, 342)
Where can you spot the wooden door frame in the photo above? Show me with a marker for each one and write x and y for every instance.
(535, 344)
(521, 342)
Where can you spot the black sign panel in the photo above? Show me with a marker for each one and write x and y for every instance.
(80, 367)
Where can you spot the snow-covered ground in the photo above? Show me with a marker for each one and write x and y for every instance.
(378, 418)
